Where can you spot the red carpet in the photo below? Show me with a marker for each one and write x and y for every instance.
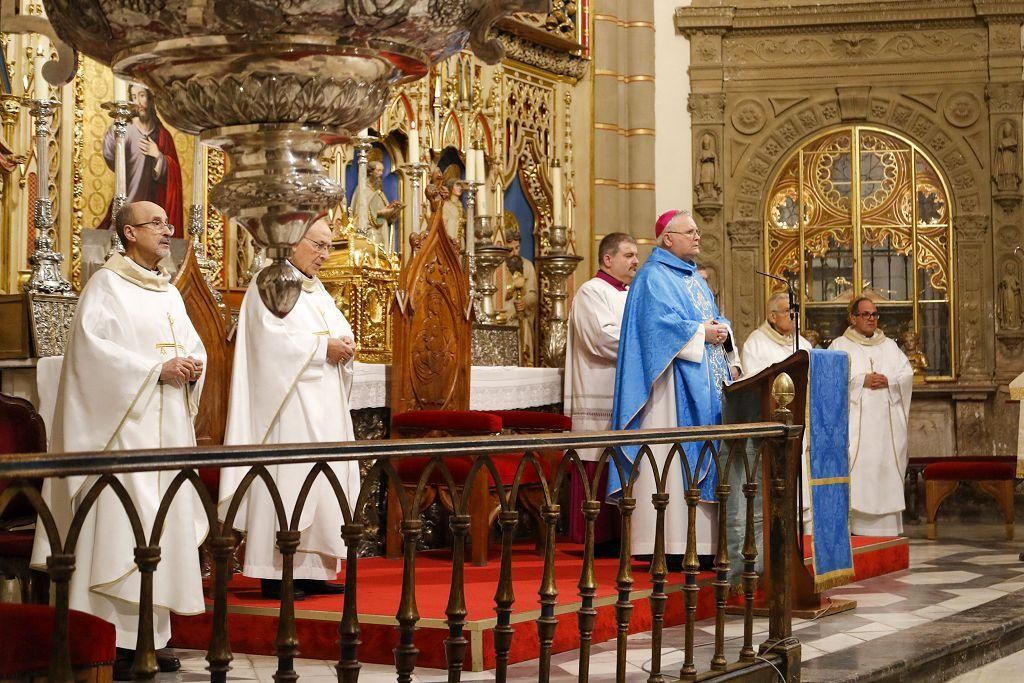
(253, 621)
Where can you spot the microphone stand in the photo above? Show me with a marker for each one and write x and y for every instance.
(794, 306)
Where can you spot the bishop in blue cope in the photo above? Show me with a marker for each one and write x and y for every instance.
(676, 352)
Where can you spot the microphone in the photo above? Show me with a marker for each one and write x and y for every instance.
(794, 305)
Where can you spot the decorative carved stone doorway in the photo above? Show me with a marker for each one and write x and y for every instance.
(945, 77)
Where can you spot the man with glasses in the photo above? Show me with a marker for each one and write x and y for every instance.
(672, 365)
(881, 382)
(291, 382)
(131, 378)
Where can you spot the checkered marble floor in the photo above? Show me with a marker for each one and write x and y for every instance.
(945, 577)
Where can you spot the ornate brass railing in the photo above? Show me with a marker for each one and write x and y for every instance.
(738, 452)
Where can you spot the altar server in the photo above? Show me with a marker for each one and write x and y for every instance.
(672, 366)
(592, 345)
(291, 383)
(131, 378)
(881, 381)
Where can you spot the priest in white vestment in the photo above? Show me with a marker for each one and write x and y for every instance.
(771, 343)
(131, 378)
(881, 383)
(291, 383)
(592, 340)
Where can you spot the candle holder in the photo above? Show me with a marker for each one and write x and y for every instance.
(362, 145)
(46, 277)
(556, 266)
(414, 171)
(121, 112)
(487, 258)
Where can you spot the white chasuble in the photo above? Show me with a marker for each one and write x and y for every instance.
(878, 433)
(763, 348)
(591, 349)
(283, 390)
(129, 322)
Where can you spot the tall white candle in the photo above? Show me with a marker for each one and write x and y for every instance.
(197, 174)
(120, 90)
(470, 166)
(556, 195)
(481, 171)
(414, 144)
(40, 88)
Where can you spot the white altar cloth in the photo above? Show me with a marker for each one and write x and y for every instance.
(491, 387)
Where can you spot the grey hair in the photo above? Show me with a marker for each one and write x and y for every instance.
(125, 216)
(769, 305)
(661, 237)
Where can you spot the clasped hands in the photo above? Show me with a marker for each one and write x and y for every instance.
(715, 333)
(340, 351)
(875, 380)
(181, 370)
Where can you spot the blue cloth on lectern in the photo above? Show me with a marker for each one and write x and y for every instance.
(667, 303)
(828, 421)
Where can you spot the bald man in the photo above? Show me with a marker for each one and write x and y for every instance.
(291, 382)
(131, 378)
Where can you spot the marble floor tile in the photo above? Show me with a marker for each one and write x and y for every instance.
(808, 653)
(873, 627)
(1001, 558)
(897, 620)
(834, 643)
(938, 578)
(872, 599)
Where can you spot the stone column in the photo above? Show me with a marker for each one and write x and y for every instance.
(744, 295)
(624, 119)
(973, 314)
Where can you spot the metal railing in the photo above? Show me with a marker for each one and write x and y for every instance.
(739, 454)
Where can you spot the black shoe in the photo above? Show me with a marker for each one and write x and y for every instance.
(167, 663)
(707, 562)
(123, 665)
(271, 589)
(319, 587)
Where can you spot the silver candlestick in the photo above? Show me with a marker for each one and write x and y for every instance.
(414, 171)
(121, 112)
(46, 277)
(556, 266)
(362, 145)
(487, 257)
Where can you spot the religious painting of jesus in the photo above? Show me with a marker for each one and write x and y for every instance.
(152, 170)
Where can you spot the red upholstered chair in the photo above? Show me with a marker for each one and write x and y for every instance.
(21, 431)
(26, 633)
(993, 474)
(421, 424)
(483, 503)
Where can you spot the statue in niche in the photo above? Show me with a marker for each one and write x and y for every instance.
(707, 156)
(381, 212)
(1006, 173)
(452, 212)
(519, 283)
(911, 342)
(1008, 302)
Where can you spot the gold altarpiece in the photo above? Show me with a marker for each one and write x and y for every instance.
(520, 112)
(913, 108)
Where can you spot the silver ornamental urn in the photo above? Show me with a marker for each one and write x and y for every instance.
(272, 82)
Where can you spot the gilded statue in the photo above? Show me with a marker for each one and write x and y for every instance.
(911, 342)
(519, 284)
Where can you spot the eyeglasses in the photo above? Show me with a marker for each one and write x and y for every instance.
(322, 247)
(689, 233)
(869, 316)
(159, 224)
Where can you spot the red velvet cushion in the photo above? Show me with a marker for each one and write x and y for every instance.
(410, 469)
(21, 431)
(452, 422)
(967, 469)
(16, 543)
(25, 632)
(211, 477)
(534, 421)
